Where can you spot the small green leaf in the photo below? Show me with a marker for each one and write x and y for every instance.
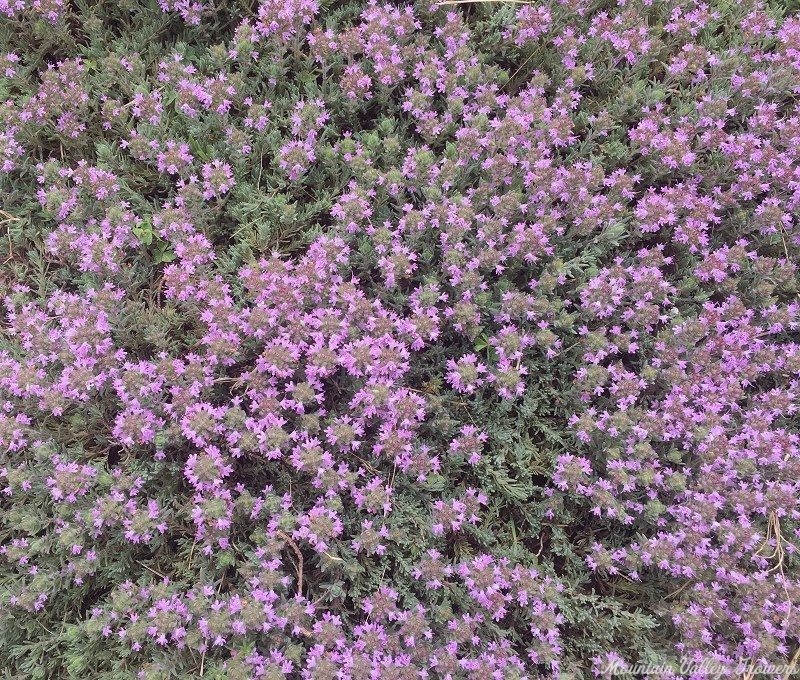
(162, 254)
(226, 559)
(160, 439)
(144, 232)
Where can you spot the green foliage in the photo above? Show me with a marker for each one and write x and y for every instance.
(416, 168)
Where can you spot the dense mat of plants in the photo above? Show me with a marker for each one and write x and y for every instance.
(378, 341)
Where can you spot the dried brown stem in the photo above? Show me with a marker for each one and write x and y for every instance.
(299, 555)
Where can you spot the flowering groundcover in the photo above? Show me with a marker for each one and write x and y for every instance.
(371, 340)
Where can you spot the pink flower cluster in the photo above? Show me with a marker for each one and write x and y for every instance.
(405, 372)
